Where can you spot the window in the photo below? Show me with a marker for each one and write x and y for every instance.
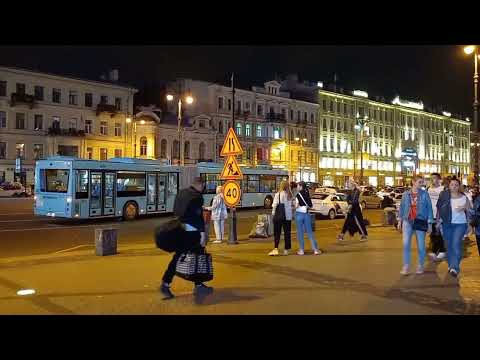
(104, 99)
(267, 184)
(238, 129)
(54, 180)
(229, 104)
(352, 111)
(220, 127)
(186, 150)
(248, 130)
(252, 185)
(312, 118)
(247, 106)
(305, 116)
(324, 124)
(338, 107)
(176, 149)
(118, 129)
(220, 103)
(201, 123)
(3, 88)
(20, 121)
(118, 103)
(239, 106)
(56, 95)
(118, 153)
(20, 151)
(291, 114)
(345, 111)
(312, 139)
(143, 146)
(38, 93)
(3, 119)
(3, 150)
(375, 114)
(38, 151)
(72, 97)
(38, 122)
(381, 131)
(163, 148)
(88, 126)
(81, 188)
(103, 154)
(130, 184)
(331, 125)
(339, 126)
(259, 110)
(277, 134)
(201, 151)
(72, 124)
(331, 106)
(55, 122)
(89, 153)
(103, 128)
(299, 115)
(259, 131)
(20, 88)
(324, 105)
(88, 100)
(68, 150)
(284, 113)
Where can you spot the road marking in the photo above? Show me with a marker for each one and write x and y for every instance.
(70, 249)
(11, 214)
(13, 221)
(53, 228)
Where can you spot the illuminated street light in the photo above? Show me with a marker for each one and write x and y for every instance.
(189, 99)
(142, 122)
(469, 49)
(128, 120)
(169, 97)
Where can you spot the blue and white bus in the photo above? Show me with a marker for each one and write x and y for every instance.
(121, 187)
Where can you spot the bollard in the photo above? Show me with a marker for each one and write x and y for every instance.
(105, 242)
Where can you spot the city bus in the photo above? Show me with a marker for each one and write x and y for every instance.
(68, 187)
(258, 185)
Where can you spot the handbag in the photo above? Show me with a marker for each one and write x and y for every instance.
(168, 234)
(420, 225)
(279, 215)
(195, 267)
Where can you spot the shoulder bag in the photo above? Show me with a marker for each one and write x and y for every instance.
(279, 215)
(419, 224)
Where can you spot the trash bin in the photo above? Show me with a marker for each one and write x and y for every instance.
(389, 216)
(105, 242)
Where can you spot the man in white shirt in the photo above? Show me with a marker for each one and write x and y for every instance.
(436, 240)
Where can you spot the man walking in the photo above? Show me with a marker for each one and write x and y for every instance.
(436, 240)
(188, 208)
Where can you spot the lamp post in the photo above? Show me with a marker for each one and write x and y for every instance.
(189, 100)
(362, 124)
(473, 49)
(304, 140)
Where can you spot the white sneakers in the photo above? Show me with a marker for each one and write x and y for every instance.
(432, 256)
(419, 270)
(363, 238)
(404, 270)
(217, 242)
(300, 252)
(285, 252)
(316, 252)
(441, 256)
(274, 252)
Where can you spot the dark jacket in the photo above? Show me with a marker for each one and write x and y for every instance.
(444, 207)
(306, 196)
(188, 208)
(353, 197)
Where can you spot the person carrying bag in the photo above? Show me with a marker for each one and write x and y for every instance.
(303, 219)
(282, 209)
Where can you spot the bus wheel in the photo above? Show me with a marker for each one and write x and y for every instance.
(130, 211)
(267, 203)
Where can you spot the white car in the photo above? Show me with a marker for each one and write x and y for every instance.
(325, 190)
(330, 205)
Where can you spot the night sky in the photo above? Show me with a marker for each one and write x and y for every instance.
(438, 75)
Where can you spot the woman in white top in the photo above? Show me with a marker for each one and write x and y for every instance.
(219, 214)
(283, 198)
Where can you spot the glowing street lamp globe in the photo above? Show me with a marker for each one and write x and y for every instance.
(469, 49)
(169, 97)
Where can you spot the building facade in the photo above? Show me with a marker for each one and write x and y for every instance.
(43, 115)
(274, 128)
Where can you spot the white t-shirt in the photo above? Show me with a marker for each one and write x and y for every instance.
(434, 193)
(458, 216)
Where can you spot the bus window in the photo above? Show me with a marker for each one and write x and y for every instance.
(279, 180)
(81, 191)
(55, 180)
(130, 184)
(253, 183)
(172, 184)
(267, 183)
(211, 182)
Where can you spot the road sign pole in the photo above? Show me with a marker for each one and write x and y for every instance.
(232, 235)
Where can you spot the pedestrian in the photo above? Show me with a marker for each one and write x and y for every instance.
(438, 252)
(282, 211)
(293, 188)
(219, 215)
(454, 212)
(188, 208)
(354, 221)
(303, 219)
(415, 216)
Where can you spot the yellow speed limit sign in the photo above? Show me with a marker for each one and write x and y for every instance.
(231, 193)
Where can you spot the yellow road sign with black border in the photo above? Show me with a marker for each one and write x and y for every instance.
(232, 193)
(231, 170)
(231, 146)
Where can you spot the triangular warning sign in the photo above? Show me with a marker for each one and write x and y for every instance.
(231, 170)
(231, 146)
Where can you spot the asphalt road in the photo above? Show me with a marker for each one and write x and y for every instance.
(23, 234)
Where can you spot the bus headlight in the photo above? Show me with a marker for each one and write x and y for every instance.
(69, 199)
(35, 197)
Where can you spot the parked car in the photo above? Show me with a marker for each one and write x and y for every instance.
(326, 190)
(311, 186)
(385, 191)
(330, 205)
(370, 199)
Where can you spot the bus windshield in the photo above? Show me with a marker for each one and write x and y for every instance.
(54, 180)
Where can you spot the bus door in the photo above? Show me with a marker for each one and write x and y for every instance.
(96, 191)
(151, 192)
(109, 194)
(162, 192)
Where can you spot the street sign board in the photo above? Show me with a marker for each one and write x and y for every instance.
(231, 170)
(231, 146)
(231, 193)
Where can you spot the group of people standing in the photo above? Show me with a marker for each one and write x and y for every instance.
(443, 211)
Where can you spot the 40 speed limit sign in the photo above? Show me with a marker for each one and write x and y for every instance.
(231, 193)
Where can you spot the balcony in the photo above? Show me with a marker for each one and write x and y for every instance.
(302, 122)
(101, 107)
(18, 98)
(275, 117)
(56, 131)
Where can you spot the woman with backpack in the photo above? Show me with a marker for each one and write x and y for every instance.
(303, 218)
(282, 211)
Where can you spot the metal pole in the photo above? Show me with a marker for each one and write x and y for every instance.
(361, 155)
(475, 116)
(178, 130)
(355, 154)
(232, 237)
(135, 137)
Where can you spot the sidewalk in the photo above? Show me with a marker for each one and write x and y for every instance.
(355, 278)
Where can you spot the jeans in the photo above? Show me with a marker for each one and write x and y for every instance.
(407, 239)
(304, 223)
(287, 233)
(453, 235)
(219, 226)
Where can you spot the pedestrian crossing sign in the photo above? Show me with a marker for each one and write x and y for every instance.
(231, 170)
(231, 146)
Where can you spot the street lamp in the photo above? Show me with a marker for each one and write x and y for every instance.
(472, 49)
(361, 126)
(128, 120)
(302, 141)
(189, 100)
